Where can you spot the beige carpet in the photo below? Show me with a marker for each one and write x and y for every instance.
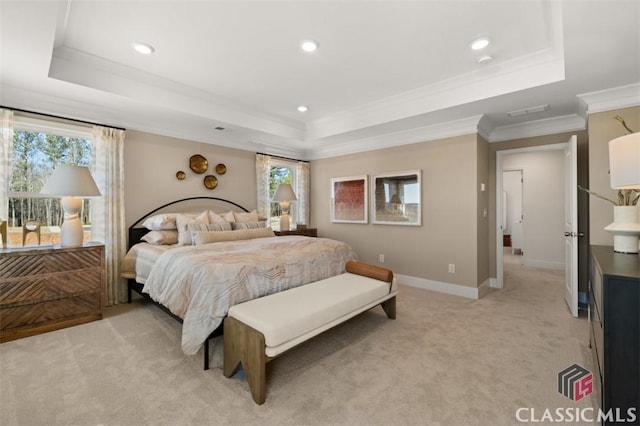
(446, 360)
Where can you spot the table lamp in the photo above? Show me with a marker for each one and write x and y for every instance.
(72, 183)
(284, 195)
(624, 165)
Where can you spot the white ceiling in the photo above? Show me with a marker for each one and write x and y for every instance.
(386, 72)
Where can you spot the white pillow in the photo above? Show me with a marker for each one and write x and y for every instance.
(246, 217)
(206, 237)
(226, 226)
(228, 216)
(249, 225)
(216, 218)
(160, 222)
(183, 221)
(161, 237)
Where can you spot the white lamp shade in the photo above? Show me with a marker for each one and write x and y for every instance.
(75, 181)
(624, 162)
(284, 193)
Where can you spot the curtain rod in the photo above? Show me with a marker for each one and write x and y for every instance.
(284, 158)
(62, 118)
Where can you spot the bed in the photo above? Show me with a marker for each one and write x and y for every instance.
(197, 281)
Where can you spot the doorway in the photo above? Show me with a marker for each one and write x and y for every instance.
(541, 216)
(512, 219)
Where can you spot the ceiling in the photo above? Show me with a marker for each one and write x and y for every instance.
(386, 72)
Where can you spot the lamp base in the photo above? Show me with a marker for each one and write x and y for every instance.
(284, 222)
(625, 229)
(71, 233)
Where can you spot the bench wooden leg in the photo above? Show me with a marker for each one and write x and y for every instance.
(244, 345)
(389, 307)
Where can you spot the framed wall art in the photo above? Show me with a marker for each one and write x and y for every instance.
(349, 200)
(396, 198)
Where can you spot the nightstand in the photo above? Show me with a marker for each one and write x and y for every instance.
(309, 232)
(46, 288)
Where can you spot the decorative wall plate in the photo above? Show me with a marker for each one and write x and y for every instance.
(210, 181)
(221, 169)
(180, 175)
(198, 164)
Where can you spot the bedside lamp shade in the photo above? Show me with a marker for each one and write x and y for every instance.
(71, 183)
(284, 195)
(624, 162)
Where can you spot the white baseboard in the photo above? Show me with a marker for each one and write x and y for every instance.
(493, 282)
(448, 288)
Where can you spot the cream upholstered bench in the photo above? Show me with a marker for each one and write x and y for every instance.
(259, 330)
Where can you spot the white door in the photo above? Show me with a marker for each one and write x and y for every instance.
(571, 225)
(513, 183)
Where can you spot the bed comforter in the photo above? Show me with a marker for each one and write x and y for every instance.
(200, 283)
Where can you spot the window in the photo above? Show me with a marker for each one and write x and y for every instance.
(38, 147)
(280, 173)
(270, 173)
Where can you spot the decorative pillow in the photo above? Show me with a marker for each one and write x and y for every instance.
(195, 227)
(160, 222)
(248, 225)
(183, 221)
(228, 216)
(206, 237)
(216, 218)
(246, 217)
(161, 237)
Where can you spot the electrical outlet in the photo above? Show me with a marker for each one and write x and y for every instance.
(381, 258)
(452, 268)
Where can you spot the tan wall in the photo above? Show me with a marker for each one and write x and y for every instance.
(151, 162)
(602, 128)
(450, 221)
(483, 210)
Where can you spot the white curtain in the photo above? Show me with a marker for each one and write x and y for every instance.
(108, 219)
(263, 167)
(302, 191)
(6, 156)
(263, 176)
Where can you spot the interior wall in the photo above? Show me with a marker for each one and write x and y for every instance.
(603, 128)
(151, 162)
(449, 231)
(482, 210)
(543, 206)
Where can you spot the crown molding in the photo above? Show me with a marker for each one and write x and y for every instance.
(77, 67)
(609, 99)
(533, 70)
(547, 126)
(448, 129)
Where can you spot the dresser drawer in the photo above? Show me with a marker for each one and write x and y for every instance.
(37, 288)
(20, 264)
(37, 314)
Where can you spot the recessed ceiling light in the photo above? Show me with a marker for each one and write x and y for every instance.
(144, 48)
(484, 59)
(309, 46)
(302, 108)
(479, 44)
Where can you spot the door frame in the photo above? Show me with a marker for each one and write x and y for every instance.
(499, 281)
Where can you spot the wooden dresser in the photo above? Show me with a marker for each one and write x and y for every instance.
(614, 313)
(307, 232)
(47, 288)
